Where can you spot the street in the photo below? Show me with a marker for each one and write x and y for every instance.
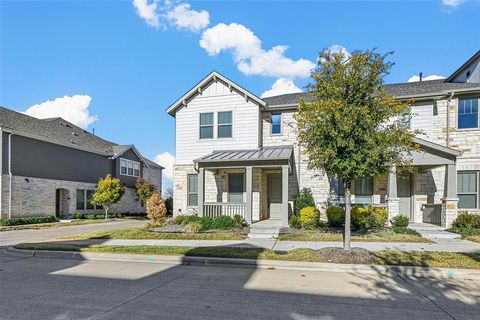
(46, 288)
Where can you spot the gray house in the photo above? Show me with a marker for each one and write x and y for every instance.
(237, 153)
(51, 167)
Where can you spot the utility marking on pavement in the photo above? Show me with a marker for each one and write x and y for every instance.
(450, 273)
(150, 258)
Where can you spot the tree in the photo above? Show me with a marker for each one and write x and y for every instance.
(347, 127)
(109, 191)
(145, 189)
(156, 209)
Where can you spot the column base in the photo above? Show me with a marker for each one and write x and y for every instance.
(393, 207)
(449, 211)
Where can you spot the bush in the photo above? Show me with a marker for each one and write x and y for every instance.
(404, 230)
(378, 217)
(156, 209)
(193, 227)
(294, 222)
(335, 216)
(309, 217)
(467, 220)
(223, 223)
(360, 217)
(400, 221)
(78, 216)
(303, 200)
(27, 220)
(241, 222)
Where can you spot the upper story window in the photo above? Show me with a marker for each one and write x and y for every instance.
(206, 125)
(276, 123)
(129, 168)
(225, 124)
(468, 113)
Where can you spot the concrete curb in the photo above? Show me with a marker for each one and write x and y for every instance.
(256, 264)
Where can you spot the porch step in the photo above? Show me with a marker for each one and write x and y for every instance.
(431, 232)
(266, 229)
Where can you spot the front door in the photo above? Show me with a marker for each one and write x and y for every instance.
(274, 195)
(404, 189)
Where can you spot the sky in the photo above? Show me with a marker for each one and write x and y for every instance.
(115, 66)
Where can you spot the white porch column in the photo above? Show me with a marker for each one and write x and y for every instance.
(285, 196)
(392, 194)
(249, 198)
(450, 199)
(200, 187)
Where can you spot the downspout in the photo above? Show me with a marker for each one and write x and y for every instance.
(448, 118)
(10, 175)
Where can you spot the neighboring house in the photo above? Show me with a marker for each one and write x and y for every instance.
(51, 167)
(238, 154)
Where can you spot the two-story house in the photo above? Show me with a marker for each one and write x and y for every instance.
(238, 154)
(51, 167)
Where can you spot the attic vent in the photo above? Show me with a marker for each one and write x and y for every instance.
(75, 134)
(468, 74)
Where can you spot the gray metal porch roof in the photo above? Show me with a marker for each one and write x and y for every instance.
(273, 153)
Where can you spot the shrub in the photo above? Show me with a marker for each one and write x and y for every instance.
(467, 220)
(360, 217)
(404, 230)
(335, 216)
(223, 222)
(78, 215)
(309, 217)
(294, 222)
(241, 222)
(304, 199)
(193, 227)
(26, 220)
(377, 217)
(156, 209)
(178, 219)
(400, 221)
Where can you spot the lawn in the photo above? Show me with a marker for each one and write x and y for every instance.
(55, 224)
(472, 234)
(423, 259)
(144, 233)
(336, 235)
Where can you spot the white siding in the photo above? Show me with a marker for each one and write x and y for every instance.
(422, 119)
(214, 98)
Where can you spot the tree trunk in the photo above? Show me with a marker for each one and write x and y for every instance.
(106, 212)
(347, 184)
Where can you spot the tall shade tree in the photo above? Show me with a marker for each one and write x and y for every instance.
(109, 191)
(350, 127)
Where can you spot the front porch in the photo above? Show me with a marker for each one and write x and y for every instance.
(251, 183)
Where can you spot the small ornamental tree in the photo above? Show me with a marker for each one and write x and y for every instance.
(156, 209)
(145, 189)
(109, 191)
(347, 126)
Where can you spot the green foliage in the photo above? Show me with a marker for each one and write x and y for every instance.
(156, 209)
(360, 217)
(223, 222)
(109, 191)
(377, 217)
(144, 189)
(294, 222)
(466, 231)
(304, 199)
(193, 227)
(309, 217)
(26, 220)
(400, 221)
(335, 216)
(207, 223)
(240, 220)
(404, 230)
(467, 220)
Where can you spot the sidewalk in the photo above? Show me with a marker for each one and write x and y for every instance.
(451, 245)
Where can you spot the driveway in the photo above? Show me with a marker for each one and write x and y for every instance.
(9, 238)
(44, 288)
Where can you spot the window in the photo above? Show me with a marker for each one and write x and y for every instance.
(225, 124)
(80, 199)
(468, 113)
(467, 189)
(276, 123)
(129, 168)
(362, 189)
(235, 187)
(206, 125)
(192, 190)
(90, 206)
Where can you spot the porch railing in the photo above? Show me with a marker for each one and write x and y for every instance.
(215, 209)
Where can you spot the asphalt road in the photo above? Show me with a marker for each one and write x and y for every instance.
(41, 288)
(9, 238)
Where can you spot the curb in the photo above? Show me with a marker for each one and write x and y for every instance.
(256, 264)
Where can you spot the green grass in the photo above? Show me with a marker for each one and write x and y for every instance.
(374, 236)
(143, 233)
(422, 259)
(472, 234)
(55, 224)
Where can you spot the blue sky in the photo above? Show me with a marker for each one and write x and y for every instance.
(117, 65)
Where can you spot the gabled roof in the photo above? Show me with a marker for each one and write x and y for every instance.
(213, 76)
(436, 146)
(464, 66)
(118, 150)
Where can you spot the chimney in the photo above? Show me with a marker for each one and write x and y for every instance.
(420, 75)
(93, 131)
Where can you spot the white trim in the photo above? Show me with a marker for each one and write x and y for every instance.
(127, 167)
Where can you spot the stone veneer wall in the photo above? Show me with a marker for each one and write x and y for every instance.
(37, 197)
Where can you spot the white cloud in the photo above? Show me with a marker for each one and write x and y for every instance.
(73, 109)
(281, 86)
(248, 54)
(148, 12)
(452, 3)
(336, 48)
(184, 18)
(416, 78)
(166, 160)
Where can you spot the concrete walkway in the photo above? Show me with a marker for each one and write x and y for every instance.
(456, 245)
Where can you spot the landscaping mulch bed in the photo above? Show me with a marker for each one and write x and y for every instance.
(353, 256)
